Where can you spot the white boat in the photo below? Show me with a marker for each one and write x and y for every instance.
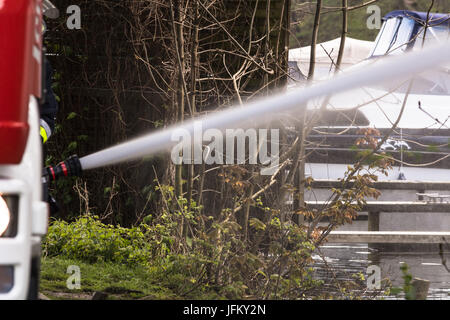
(420, 142)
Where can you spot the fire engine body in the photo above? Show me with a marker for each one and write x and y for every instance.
(23, 213)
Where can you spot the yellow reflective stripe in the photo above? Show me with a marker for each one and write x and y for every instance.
(44, 134)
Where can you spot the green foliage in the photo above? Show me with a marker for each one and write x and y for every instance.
(272, 263)
(208, 256)
(407, 288)
(119, 281)
(87, 239)
(71, 115)
(198, 254)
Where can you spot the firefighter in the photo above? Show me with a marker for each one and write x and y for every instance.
(50, 106)
(47, 124)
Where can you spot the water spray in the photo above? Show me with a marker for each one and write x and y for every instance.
(258, 111)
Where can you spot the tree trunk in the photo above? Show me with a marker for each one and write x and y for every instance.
(343, 34)
(315, 34)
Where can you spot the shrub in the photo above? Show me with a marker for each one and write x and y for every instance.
(89, 240)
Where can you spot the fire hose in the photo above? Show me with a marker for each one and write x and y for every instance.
(68, 168)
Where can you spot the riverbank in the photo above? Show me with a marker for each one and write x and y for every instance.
(113, 281)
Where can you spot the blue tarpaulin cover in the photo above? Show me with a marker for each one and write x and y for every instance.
(435, 19)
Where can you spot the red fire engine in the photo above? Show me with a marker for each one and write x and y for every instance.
(23, 213)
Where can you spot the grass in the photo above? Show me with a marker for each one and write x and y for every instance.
(117, 262)
(116, 280)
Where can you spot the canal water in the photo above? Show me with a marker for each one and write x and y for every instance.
(347, 260)
(424, 261)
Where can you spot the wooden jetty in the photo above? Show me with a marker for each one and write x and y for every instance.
(425, 203)
(404, 237)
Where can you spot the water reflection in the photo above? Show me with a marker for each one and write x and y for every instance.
(424, 263)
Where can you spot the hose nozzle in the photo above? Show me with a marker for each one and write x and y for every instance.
(69, 168)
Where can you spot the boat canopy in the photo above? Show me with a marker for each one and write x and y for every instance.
(355, 51)
(404, 30)
(435, 19)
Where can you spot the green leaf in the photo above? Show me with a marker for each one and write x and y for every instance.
(257, 224)
(72, 146)
(72, 115)
(189, 242)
